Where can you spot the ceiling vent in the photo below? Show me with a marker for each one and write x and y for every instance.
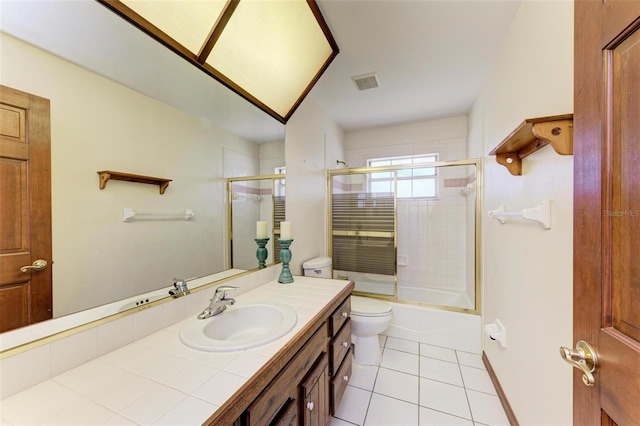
(366, 81)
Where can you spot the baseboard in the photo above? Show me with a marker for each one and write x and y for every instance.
(513, 421)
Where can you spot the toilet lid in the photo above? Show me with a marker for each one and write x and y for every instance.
(366, 306)
(317, 262)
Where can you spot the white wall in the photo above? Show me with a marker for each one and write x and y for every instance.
(527, 270)
(431, 234)
(314, 143)
(97, 124)
(446, 136)
(271, 156)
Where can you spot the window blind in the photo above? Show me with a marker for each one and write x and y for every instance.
(364, 232)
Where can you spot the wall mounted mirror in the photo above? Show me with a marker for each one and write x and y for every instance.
(253, 199)
(127, 106)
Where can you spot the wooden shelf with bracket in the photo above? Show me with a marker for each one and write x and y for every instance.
(105, 175)
(530, 136)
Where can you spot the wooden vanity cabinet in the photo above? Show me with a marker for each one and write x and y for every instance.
(340, 353)
(304, 382)
(267, 409)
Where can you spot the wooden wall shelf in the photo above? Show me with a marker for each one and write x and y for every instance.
(530, 136)
(105, 175)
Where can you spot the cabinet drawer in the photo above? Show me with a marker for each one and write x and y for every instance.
(339, 382)
(340, 345)
(288, 416)
(270, 402)
(339, 316)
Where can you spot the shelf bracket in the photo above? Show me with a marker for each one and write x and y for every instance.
(530, 136)
(558, 133)
(511, 161)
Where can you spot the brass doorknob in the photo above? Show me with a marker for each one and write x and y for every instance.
(37, 265)
(584, 358)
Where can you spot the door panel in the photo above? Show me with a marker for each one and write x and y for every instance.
(25, 208)
(607, 208)
(620, 329)
(13, 175)
(623, 71)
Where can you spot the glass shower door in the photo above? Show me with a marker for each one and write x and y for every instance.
(363, 244)
(408, 232)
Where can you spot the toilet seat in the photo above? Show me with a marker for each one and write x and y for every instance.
(368, 307)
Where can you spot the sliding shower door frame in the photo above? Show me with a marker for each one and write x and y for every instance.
(479, 180)
(275, 231)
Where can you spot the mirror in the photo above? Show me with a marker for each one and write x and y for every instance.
(167, 126)
(254, 199)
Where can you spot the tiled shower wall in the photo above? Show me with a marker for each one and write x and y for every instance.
(432, 234)
(432, 238)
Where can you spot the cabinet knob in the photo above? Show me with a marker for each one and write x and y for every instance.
(345, 378)
(345, 344)
(310, 405)
(345, 314)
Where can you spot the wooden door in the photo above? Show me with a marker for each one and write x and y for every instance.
(607, 208)
(25, 208)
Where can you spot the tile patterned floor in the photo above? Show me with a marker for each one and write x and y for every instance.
(420, 385)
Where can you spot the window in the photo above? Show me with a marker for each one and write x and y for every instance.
(419, 182)
(279, 185)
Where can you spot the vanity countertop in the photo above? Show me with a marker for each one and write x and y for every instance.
(158, 380)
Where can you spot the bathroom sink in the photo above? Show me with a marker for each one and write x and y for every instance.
(239, 327)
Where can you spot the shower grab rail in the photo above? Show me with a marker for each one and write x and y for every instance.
(129, 215)
(541, 214)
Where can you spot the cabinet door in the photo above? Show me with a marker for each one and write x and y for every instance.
(315, 391)
(264, 409)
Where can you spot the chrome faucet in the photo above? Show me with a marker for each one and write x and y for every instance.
(180, 288)
(219, 302)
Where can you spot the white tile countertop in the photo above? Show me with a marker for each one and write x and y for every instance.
(158, 380)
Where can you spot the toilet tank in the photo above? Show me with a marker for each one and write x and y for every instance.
(319, 267)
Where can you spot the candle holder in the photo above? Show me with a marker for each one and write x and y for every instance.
(285, 258)
(262, 252)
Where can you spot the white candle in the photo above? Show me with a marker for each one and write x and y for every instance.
(285, 230)
(261, 229)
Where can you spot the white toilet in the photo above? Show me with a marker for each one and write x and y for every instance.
(369, 317)
(319, 267)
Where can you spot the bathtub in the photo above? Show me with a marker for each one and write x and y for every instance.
(432, 326)
(434, 296)
(437, 327)
(366, 282)
(383, 284)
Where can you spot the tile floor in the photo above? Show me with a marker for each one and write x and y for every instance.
(419, 385)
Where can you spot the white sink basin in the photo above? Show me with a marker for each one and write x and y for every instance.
(239, 327)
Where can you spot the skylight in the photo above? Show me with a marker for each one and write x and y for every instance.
(271, 52)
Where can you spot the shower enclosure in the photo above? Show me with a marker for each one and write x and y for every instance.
(252, 199)
(408, 232)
